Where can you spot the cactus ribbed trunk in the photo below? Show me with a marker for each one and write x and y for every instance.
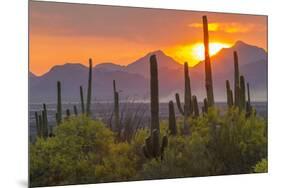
(154, 94)
(248, 94)
(236, 80)
(187, 92)
(229, 95)
(89, 95)
(116, 107)
(82, 100)
(242, 94)
(195, 106)
(208, 69)
(187, 109)
(59, 107)
(45, 120)
(172, 119)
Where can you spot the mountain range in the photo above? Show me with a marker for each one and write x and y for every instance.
(133, 80)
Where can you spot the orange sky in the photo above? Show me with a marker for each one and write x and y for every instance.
(69, 33)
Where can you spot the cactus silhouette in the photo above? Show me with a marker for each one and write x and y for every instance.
(186, 111)
(89, 95)
(236, 80)
(82, 100)
(45, 121)
(67, 113)
(59, 107)
(75, 110)
(242, 93)
(152, 147)
(195, 106)
(208, 69)
(172, 119)
(205, 106)
(37, 124)
(116, 108)
(248, 103)
(154, 93)
(229, 95)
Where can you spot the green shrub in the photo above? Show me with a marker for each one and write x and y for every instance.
(261, 166)
(72, 155)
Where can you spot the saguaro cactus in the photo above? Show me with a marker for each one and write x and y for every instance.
(116, 107)
(229, 95)
(59, 107)
(242, 93)
(82, 100)
(186, 111)
(248, 104)
(75, 110)
(67, 113)
(236, 80)
(172, 119)
(154, 94)
(45, 121)
(208, 69)
(205, 106)
(152, 148)
(89, 88)
(195, 106)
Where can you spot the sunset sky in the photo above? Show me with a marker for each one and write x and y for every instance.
(71, 33)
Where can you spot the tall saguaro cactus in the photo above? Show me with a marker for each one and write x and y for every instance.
(236, 79)
(187, 107)
(82, 100)
(59, 107)
(116, 107)
(172, 119)
(208, 69)
(154, 94)
(89, 89)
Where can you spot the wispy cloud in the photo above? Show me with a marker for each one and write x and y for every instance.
(233, 27)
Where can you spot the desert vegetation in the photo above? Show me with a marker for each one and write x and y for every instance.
(201, 142)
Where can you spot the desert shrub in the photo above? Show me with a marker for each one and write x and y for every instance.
(72, 155)
(261, 166)
(218, 144)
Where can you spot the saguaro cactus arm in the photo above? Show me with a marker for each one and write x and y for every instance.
(179, 104)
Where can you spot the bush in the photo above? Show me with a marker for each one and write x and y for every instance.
(85, 151)
(72, 155)
(261, 166)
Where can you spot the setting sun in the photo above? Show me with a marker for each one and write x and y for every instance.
(215, 47)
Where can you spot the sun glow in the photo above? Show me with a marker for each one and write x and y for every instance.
(214, 47)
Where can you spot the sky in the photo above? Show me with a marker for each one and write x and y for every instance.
(62, 33)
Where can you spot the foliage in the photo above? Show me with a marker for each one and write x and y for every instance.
(70, 157)
(261, 166)
(85, 151)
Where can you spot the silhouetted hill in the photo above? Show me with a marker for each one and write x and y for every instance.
(133, 80)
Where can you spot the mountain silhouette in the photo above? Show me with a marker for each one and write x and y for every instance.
(133, 80)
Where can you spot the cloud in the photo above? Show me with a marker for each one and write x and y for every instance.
(233, 27)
